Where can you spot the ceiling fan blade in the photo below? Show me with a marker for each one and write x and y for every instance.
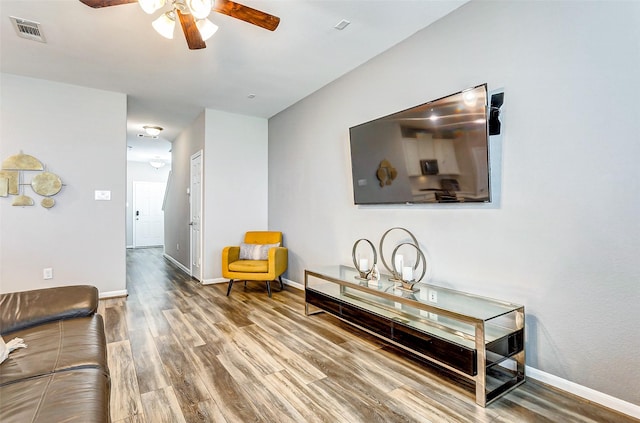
(191, 32)
(106, 3)
(247, 14)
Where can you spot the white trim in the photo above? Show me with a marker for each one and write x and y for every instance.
(296, 285)
(130, 247)
(198, 155)
(584, 392)
(214, 281)
(113, 294)
(177, 263)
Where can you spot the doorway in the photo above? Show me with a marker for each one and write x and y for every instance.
(148, 217)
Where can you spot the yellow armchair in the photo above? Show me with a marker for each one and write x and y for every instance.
(260, 258)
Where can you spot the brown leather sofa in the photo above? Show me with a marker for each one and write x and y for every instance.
(63, 374)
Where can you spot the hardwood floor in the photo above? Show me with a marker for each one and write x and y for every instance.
(183, 352)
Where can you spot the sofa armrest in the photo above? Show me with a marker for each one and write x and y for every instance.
(20, 310)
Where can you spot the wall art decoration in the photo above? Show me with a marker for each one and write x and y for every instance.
(44, 183)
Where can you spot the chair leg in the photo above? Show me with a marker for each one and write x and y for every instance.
(281, 284)
(269, 288)
(230, 285)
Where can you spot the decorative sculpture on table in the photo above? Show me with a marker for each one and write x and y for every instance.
(362, 263)
(401, 270)
(407, 274)
(46, 184)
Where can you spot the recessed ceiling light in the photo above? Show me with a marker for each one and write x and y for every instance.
(342, 25)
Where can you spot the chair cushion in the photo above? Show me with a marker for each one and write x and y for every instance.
(249, 266)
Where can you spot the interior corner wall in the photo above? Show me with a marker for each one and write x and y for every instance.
(177, 211)
(140, 171)
(564, 236)
(235, 183)
(79, 134)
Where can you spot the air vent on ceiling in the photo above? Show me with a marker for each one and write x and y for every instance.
(28, 29)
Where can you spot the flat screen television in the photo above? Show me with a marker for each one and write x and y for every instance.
(436, 152)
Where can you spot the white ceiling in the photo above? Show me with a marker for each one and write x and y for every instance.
(116, 49)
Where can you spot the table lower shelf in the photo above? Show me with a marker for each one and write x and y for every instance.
(460, 358)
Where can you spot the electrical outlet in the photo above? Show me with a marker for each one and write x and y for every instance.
(433, 296)
(47, 273)
(177, 247)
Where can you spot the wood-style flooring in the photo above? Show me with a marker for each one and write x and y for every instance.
(182, 352)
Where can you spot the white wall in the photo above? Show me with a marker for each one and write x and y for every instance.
(564, 235)
(235, 183)
(140, 171)
(79, 133)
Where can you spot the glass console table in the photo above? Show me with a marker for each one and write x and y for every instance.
(481, 339)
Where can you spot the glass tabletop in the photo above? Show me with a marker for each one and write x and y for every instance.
(460, 303)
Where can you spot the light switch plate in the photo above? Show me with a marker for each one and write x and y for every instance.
(102, 195)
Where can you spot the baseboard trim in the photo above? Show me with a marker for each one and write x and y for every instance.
(589, 394)
(113, 294)
(294, 284)
(214, 281)
(177, 263)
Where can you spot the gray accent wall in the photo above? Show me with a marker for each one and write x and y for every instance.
(177, 212)
(234, 186)
(80, 135)
(563, 236)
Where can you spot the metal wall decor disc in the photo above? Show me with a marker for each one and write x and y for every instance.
(22, 200)
(48, 202)
(46, 184)
(22, 162)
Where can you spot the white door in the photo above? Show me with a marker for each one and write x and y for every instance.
(148, 217)
(196, 213)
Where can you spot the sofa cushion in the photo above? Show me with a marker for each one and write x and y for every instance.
(80, 396)
(19, 310)
(57, 346)
(249, 266)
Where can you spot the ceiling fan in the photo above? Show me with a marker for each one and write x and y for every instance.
(192, 15)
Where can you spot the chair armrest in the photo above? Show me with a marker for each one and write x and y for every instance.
(229, 255)
(20, 310)
(278, 259)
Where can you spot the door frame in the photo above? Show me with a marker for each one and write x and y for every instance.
(195, 156)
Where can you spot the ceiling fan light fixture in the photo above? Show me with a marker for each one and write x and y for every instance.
(200, 9)
(165, 25)
(150, 6)
(152, 130)
(206, 28)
